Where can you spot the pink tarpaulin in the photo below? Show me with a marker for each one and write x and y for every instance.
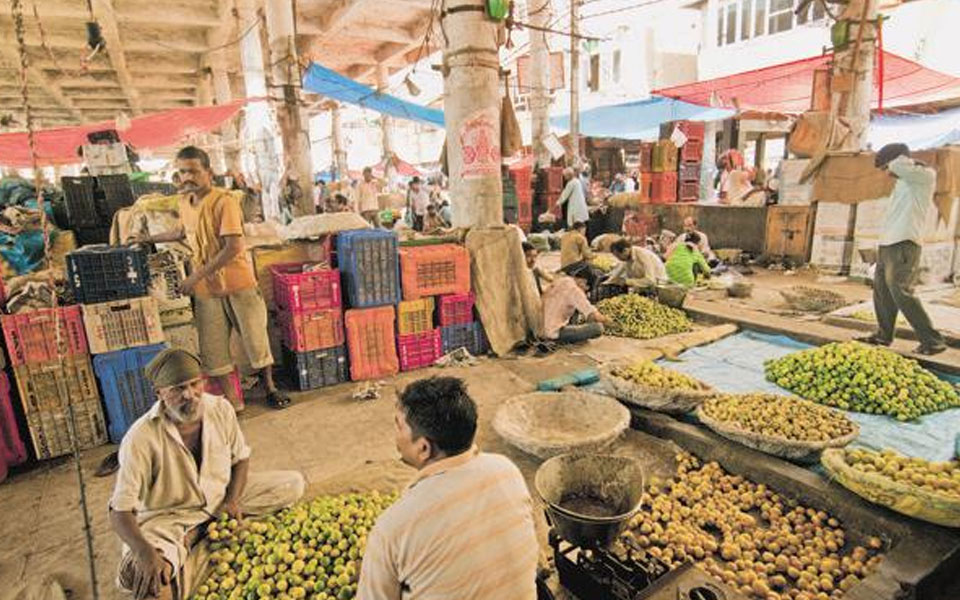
(156, 130)
(787, 87)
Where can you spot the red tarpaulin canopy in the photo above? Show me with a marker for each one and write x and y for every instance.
(787, 87)
(156, 130)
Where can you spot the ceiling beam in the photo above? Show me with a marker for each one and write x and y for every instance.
(338, 18)
(36, 77)
(182, 16)
(109, 26)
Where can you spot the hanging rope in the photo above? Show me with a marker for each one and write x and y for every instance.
(62, 391)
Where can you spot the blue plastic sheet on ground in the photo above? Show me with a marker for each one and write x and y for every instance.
(735, 364)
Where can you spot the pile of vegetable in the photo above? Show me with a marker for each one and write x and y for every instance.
(636, 316)
(940, 477)
(779, 416)
(309, 550)
(854, 376)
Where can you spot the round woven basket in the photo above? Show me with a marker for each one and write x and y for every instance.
(905, 499)
(653, 398)
(546, 424)
(795, 450)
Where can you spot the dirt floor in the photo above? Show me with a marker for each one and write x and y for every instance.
(341, 444)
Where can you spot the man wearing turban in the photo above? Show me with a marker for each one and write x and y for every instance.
(182, 464)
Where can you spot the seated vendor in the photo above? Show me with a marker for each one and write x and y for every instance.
(568, 316)
(690, 226)
(686, 264)
(636, 263)
(574, 247)
(433, 223)
(182, 463)
(542, 277)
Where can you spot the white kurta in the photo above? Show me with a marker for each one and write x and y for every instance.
(577, 207)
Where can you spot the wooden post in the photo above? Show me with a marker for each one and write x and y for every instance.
(286, 74)
(852, 79)
(540, 79)
(575, 80)
(471, 84)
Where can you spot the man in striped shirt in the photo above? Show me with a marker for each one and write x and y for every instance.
(464, 528)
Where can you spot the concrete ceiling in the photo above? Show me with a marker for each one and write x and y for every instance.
(159, 53)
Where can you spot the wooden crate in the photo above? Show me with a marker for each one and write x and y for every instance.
(789, 232)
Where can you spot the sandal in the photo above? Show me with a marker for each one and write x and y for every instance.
(109, 465)
(873, 340)
(929, 350)
(277, 400)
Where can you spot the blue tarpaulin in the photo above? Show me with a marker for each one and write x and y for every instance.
(919, 132)
(326, 82)
(639, 120)
(735, 365)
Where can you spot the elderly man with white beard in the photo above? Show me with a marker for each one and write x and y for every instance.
(182, 464)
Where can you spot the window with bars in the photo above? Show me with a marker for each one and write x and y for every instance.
(741, 20)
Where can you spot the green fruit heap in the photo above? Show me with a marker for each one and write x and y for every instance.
(746, 535)
(311, 550)
(939, 477)
(779, 416)
(854, 376)
(603, 262)
(638, 317)
(649, 374)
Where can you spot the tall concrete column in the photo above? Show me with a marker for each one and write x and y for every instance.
(339, 149)
(471, 85)
(286, 74)
(208, 140)
(259, 130)
(575, 80)
(854, 65)
(540, 78)
(386, 123)
(228, 131)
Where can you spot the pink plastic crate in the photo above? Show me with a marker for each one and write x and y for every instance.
(297, 290)
(31, 337)
(12, 449)
(456, 309)
(419, 350)
(213, 387)
(312, 330)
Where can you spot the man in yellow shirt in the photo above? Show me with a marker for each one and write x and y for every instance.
(222, 283)
(574, 247)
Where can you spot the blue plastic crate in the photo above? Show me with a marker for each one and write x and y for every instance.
(127, 393)
(467, 335)
(369, 267)
(106, 273)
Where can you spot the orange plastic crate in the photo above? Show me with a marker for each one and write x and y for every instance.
(312, 329)
(434, 270)
(31, 336)
(371, 343)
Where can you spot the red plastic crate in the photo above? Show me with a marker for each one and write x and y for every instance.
(646, 157)
(371, 343)
(297, 290)
(664, 188)
(524, 210)
(13, 450)
(522, 180)
(689, 191)
(419, 350)
(434, 270)
(31, 337)
(694, 130)
(640, 226)
(456, 309)
(689, 172)
(554, 179)
(646, 186)
(213, 387)
(692, 151)
(312, 329)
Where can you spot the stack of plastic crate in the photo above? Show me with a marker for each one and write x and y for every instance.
(51, 364)
(522, 178)
(691, 154)
(167, 272)
(308, 301)
(370, 277)
(549, 186)
(123, 327)
(663, 181)
(91, 202)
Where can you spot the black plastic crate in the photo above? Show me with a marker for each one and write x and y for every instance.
(316, 368)
(142, 188)
(602, 292)
(79, 196)
(105, 273)
(468, 335)
(87, 236)
(117, 194)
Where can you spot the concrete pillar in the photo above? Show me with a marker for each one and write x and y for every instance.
(708, 166)
(339, 149)
(855, 65)
(386, 123)
(228, 132)
(471, 85)
(259, 132)
(575, 81)
(540, 76)
(212, 142)
(286, 74)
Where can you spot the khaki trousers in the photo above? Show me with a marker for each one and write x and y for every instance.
(893, 292)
